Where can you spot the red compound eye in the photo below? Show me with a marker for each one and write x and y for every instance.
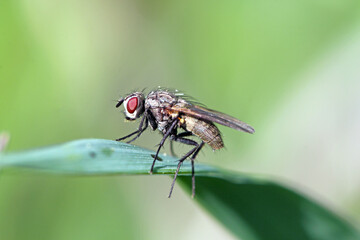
(132, 104)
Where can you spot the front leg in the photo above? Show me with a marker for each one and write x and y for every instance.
(139, 131)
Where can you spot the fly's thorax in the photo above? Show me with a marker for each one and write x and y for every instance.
(160, 99)
(205, 130)
(159, 103)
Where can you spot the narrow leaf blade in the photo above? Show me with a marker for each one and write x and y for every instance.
(250, 207)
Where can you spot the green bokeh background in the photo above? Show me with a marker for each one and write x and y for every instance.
(289, 68)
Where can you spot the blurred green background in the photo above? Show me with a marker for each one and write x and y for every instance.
(288, 68)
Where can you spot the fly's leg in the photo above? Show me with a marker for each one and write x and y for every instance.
(151, 119)
(193, 152)
(172, 149)
(139, 131)
(127, 136)
(148, 118)
(183, 134)
(166, 135)
(193, 167)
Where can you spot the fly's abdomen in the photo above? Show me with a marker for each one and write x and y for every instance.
(207, 131)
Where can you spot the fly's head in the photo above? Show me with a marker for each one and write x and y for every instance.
(133, 104)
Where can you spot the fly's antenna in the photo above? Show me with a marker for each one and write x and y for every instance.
(121, 100)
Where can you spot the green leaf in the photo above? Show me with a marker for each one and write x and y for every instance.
(251, 207)
(255, 209)
(94, 156)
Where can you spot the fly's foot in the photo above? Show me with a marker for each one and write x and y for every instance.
(157, 157)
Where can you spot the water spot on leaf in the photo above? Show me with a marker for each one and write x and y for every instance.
(92, 154)
(107, 151)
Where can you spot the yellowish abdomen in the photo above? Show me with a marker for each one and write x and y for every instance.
(206, 131)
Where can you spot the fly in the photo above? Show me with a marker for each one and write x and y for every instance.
(169, 112)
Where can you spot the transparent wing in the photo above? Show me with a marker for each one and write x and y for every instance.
(214, 116)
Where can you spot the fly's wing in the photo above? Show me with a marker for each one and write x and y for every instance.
(214, 116)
